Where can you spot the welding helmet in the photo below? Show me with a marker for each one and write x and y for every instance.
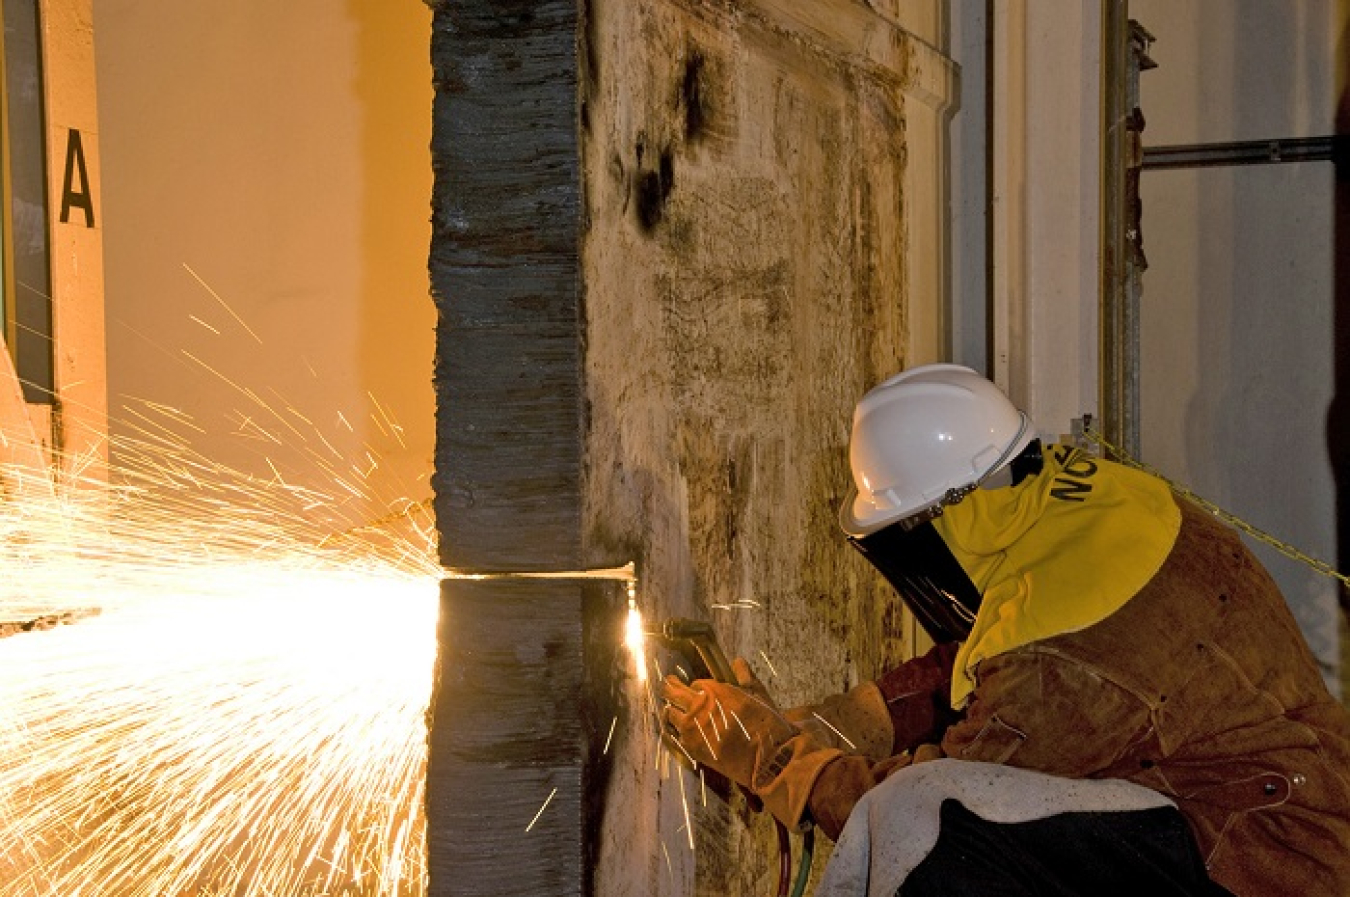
(922, 441)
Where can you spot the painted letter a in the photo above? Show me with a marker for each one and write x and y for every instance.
(71, 196)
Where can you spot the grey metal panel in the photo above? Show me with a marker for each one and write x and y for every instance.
(504, 272)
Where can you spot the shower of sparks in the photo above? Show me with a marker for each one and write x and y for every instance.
(711, 750)
(634, 636)
(548, 800)
(204, 324)
(684, 802)
(742, 604)
(835, 729)
(245, 714)
(216, 296)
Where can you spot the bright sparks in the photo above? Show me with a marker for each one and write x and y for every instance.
(244, 714)
(634, 637)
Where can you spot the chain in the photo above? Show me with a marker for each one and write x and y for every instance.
(1237, 522)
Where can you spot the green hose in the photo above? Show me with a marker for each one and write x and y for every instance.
(804, 865)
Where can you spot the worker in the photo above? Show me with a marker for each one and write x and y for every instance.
(1118, 700)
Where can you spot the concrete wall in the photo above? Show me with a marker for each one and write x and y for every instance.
(746, 281)
(667, 267)
(280, 151)
(1237, 350)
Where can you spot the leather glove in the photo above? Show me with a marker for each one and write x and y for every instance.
(737, 731)
(856, 722)
(924, 753)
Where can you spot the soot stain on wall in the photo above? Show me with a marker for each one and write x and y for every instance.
(653, 189)
(693, 96)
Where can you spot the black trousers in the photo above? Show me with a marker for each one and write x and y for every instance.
(1144, 853)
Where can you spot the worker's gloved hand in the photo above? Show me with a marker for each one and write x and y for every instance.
(856, 722)
(924, 753)
(736, 730)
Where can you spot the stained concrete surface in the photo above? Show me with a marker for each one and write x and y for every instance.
(744, 282)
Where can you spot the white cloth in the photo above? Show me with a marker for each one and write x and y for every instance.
(895, 825)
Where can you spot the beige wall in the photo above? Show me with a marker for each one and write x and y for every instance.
(1238, 303)
(279, 151)
(1044, 181)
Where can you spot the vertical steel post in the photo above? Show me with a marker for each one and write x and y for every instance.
(1124, 55)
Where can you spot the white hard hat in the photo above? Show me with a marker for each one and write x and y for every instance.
(927, 437)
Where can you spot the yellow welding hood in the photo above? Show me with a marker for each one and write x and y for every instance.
(1061, 551)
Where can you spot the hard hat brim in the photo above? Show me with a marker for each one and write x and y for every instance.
(857, 518)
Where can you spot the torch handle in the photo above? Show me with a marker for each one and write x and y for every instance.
(682, 633)
(713, 658)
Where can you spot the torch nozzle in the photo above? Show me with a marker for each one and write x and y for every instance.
(681, 628)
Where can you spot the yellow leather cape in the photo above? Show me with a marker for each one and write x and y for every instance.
(1057, 553)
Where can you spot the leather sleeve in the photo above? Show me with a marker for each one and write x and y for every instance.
(1037, 710)
(918, 697)
(1032, 709)
(839, 786)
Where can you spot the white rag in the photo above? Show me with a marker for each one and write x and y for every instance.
(895, 825)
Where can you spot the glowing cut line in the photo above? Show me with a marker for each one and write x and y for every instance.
(626, 573)
(636, 640)
(634, 637)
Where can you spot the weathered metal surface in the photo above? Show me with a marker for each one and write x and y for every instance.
(507, 734)
(504, 271)
(518, 726)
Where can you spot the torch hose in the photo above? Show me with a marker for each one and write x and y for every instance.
(784, 858)
(804, 864)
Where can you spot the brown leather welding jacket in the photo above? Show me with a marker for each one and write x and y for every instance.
(1200, 687)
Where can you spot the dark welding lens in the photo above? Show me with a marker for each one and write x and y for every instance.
(1029, 462)
(922, 569)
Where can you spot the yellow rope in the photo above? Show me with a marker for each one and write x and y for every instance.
(1279, 545)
